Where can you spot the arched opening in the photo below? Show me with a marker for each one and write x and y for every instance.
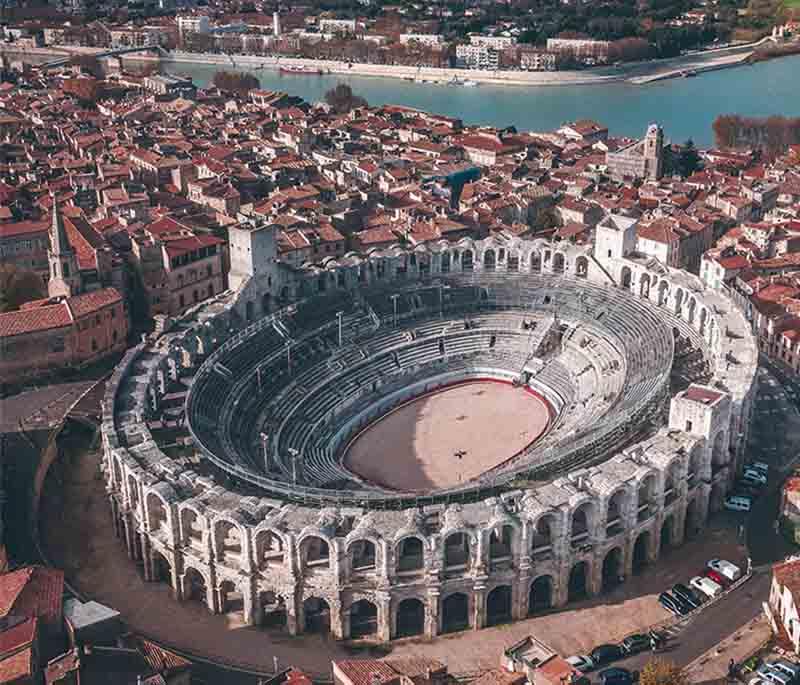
(455, 613)
(717, 498)
(692, 520)
(156, 513)
(228, 542)
(577, 588)
(614, 520)
(231, 600)
(703, 321)
(498, 606)
(581, 519)
(317, 615)
(249, 311)
(678, 301)
(646, 502)
(194, 586)
(640, 551)
(466, 260)
(540, 597)
(667, 531)
(409, 555)
(719, 456)
(512, 264)
(671, 483)
(581, 267)
(410, 618)
(500, 544)
(625, 278)
(536, 262)
(456, 552)
(542, 542)
(363, 619)
(489, 260)
(663, 293)
(691, 311)
(695, 466)
(162, 570)
(445, 263)
(269, 550)
(612, 569)
(559, 263)
(273, 610)
(644, 285)
(266, 303)
(314, 553)
(362, 556)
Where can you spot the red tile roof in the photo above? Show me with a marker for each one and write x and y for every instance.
(697, 393)
(20, 228)
(91, 302)
(34, 319)
(368, 671)
(20, 635)
(17, 666)
(787, 574)
(32, 591)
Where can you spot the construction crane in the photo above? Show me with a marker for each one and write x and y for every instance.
(456, 181)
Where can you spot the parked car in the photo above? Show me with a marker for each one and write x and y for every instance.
(755, 475)
(718, 578)
(616, 676)
(758, 466)
(705, 586)
(605, 654)
(725, 568)
(785, 666)
(673, 604)
(633, 644)
(773, 675)
(684, 593)
(581, 662)
(758, 680)
(737, 503)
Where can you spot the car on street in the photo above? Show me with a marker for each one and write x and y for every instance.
(773, 675)
(633, 644)
(758, 466)
(718, 578)
(705, 586)
(581, 662)
(687, 595)
(605, 654)
(725, 568)
(738, 503)
(754, 475)
(616, 676)
(672, 604)
(785, 666)
(758, 680)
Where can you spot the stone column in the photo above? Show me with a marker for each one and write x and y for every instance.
(630, 543)
(384, 627)
(479, 614)
(432, 618)
(292, 611)
(251, 609)
(595, 580)
(147, 557)
(337, 624)
(127, 525)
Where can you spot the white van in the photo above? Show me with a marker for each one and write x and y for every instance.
(725, 568)
(706, 586)
(737, 503)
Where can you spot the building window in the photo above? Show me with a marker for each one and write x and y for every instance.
(97, 320)
(66, 270)
(94, 345)
(114, 336)
(182, 301)
(209, 271)
(113, 312)
(688, 426)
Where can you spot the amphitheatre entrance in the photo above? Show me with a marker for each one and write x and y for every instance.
(449, 436)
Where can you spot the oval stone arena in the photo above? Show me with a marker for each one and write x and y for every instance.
(448, 436)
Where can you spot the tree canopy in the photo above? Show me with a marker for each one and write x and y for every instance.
(18, 286)
(235, 82)
(342, 100)
(662, 672)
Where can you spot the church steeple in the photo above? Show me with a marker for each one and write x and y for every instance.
(64, 274)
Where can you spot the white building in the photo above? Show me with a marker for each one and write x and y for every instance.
(476, 57)
(494, 42)
(432, 40)
(536, 60)
(337, 26)
(579, 47)
(193, 24)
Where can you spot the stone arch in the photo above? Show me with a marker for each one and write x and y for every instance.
(625, 279)
(615, 513)
(690, 311)
(317, 615)
(501, 542)
(667, 533)
(227, 541)
(536, 261)
(133, 491)
(457, 551)
(231, 598)
(512, 263)
(543, 534)
(703, 321)
(195, 587)
(559, 263)
(678, 301)
(612, 568)
(582, 267)
(646, 495)
(466, 260)
(157, 516)
(663, 293)
(270, 549)
(192, 529)
(719, 454)
(489, 260)
(692, 521)
(644, 285)
(314, 553)
(409, 555)
(410, 618)
(578, 584)
(641, 553)
(362, 556)
(581, 523)
(455, 613)
(540, 595)
(363, 619)
(162, 569)
(273, 612)
(498, 605)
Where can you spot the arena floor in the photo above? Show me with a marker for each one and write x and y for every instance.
(448, 437)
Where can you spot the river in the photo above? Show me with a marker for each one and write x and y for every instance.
(685, 107)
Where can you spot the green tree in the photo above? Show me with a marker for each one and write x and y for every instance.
(235, 82)
(342, 100)
(688, 159)
(662, 672)
(18, 286)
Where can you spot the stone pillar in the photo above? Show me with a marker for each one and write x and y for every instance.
(384, 628)
(628, 547)
(292, 612)
(594, 583)
(251, 609)
(337, 622)
(519, 607)
(147, 557)
(127, 525)
(479, 614)
(432, 626)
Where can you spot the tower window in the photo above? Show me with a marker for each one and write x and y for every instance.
(66, 270)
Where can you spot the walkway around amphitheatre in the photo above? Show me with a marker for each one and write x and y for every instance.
(78, 536)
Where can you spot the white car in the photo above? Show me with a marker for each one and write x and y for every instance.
(785, 666)
(754, 475)
(725, 568)
(581, 662)
(758, 466)
(705, 586)
(737, 503)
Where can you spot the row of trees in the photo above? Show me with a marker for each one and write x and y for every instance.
(236, 82)
(771, 135)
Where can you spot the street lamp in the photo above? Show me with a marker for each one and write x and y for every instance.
(289, 355)
(293, 451)
(339, 316)
(394, 302)
(265, 448)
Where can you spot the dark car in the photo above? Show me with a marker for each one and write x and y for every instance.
(633, 644)
(604, 654)
(684, 593)
(616, 676)
(672, 603)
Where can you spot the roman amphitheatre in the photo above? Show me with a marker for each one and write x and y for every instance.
(421, 441)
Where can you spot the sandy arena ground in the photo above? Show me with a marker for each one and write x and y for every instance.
(448, 437)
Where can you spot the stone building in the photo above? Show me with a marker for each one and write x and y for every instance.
(643, 159)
